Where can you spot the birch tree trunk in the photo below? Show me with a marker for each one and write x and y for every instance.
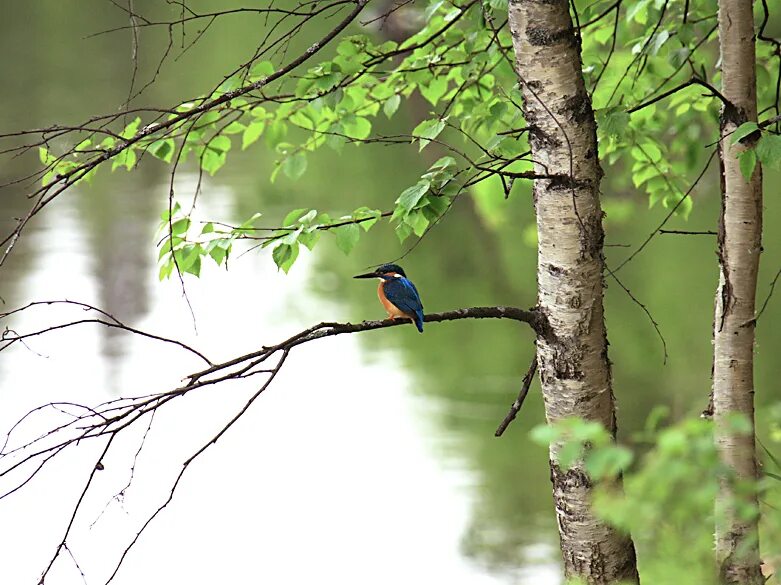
(739, 246)
(572, 353)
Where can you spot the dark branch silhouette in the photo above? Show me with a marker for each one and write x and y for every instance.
(515, 408)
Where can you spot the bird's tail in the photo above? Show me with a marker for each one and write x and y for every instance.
(419, 320)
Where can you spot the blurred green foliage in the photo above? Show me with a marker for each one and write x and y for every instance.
(671, 476)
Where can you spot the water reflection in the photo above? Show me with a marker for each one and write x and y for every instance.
(332, 465)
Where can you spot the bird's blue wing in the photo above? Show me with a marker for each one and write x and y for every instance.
(402, 293)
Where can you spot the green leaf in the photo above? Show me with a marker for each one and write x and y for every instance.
(645, 173)
(131, 129)
(418, 222)
(212, 160)
(295, 166)
(608, 461)
(569, 454)
(769, 150)
(391, 105)
(544, 434)
(638, 12)
(613, 122)
(743, 131)
(285, 255)
(410, 196)
(308, 217)
(403, 231)
(234, 128)
(165, 215)
(652, 151)
(427, 130)
(292, 217)
(166, 268)
(126, 158)
(368, 216)
(347, 236)
(357, 127)
(189, 259)
(82, 145)
(336, 142)
(162, 149)
(748, 160)
(684, 205)
(44, 156)
(180, 226)
(444, 162)
(220, 143)
(304, 119)
(434, 91)
(327, 81)
(219, 253)
(275, 133)
(166, 246)
(432, 9)
(309, 237)
(252, 133)
(659, 39)
(262, 69)
(348, 47)
(437, 204)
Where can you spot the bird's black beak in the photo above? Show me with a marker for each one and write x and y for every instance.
(368, 275)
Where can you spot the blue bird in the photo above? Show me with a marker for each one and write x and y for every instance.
(397, 294)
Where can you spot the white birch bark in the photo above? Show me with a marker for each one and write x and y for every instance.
(739, 246)
(572, 353)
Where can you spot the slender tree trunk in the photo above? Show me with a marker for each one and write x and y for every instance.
(739, 246)
(572, 353)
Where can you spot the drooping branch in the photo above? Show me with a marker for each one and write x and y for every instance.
(21, 463)
(9, 337)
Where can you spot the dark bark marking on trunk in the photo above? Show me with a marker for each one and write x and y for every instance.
(538, 138)
(567, 361)
(544, 37)
(571, 477)
(726, 292)
(578, 107)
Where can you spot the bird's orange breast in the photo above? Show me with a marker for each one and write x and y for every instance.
(392, 310)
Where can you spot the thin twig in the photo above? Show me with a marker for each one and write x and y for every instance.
(689, 233)
(516, 406)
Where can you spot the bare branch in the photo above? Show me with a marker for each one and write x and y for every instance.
(10, 337)
(688, 233)
(693, 81)
(516, 406)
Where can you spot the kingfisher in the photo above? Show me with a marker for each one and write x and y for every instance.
(397, 294)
